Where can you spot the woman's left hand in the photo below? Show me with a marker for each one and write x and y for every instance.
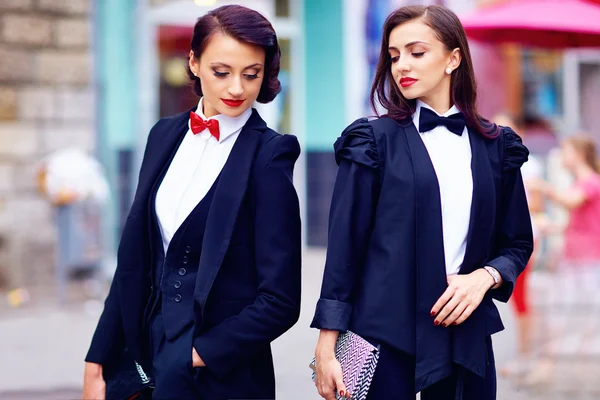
(196, 359)
(463, 296)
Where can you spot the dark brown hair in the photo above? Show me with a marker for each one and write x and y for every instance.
(586, 147)
(463, 88)
(247, 26)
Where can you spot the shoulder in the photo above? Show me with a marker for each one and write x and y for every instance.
(590, 185)
(506, 146)
(371, 127)
(358, 141)
(163, 126)
(514, 152)
(275, 146)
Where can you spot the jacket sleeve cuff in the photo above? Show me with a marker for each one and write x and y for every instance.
(507, 271)
(332, 314)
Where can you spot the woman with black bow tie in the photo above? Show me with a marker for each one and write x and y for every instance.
(429, 222)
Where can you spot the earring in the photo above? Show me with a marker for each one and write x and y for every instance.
(195, 74)
(448, 70)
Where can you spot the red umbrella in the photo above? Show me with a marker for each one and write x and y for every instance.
(539, 23)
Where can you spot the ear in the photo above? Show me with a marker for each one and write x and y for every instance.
(454, 59)
(193, 63)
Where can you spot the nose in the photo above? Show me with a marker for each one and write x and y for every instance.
(402, 66)
(236, 89)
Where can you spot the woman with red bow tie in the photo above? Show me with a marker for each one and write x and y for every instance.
(209, 262)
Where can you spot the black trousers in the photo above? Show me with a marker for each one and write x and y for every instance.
(395, 378)
(173, 373)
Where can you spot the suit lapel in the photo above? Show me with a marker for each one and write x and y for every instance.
(225, 206)
(430, 262)
(482, 203)
(158, 155)
(479, 237)
(133, 250)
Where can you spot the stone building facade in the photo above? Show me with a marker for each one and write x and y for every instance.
(46, 103)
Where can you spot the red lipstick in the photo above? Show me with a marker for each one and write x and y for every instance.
(406, 82)
(233, 103)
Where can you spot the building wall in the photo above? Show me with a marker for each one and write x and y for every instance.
(46, 103)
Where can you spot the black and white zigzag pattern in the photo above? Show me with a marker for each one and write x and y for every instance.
(358, 359)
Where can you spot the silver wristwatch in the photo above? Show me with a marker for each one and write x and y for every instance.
(494, 273)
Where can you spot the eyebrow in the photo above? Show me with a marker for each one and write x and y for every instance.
(407, 45)
(229, 66)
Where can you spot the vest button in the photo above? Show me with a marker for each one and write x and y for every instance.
(177, 284)
(188, 249)
(182, 271)
(185, 259)
(178, 298)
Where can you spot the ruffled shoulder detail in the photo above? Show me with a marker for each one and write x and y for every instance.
(357, 144)
(515, 152)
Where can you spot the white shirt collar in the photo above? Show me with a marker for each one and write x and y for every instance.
(420, 104)
(227, 125)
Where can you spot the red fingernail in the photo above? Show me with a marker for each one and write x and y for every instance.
(444, 324)
(432, 313)
(454, 323)
(342, 393)
(436, 323)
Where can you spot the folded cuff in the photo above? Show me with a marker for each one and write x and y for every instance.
(507, 271)
(332, 314)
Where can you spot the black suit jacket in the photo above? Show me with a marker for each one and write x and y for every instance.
(385, 265)
(248, 285)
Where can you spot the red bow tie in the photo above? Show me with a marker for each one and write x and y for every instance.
(198, 124)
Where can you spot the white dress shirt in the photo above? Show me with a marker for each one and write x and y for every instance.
(194, 169)
(450, 155)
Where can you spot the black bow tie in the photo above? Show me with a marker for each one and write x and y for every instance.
(429, 120)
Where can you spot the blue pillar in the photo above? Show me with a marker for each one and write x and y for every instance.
(325, 108)
(115, 63)
(325, 100)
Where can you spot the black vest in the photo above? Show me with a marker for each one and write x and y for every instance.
(174, 275)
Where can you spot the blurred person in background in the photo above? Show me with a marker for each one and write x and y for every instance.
(75, 184)
(428, 223)
(209, 262)
(581, 249)
(532, 171)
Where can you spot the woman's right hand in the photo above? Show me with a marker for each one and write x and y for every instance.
(94, 387)
(329, 378)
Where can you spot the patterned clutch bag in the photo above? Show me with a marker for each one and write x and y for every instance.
(358, 359)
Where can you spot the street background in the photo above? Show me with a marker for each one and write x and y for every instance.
(83, 81)
(43, 348)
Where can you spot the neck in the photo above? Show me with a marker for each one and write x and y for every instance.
(440, 100)
(208, 110)
(440, 106)
(583, 171)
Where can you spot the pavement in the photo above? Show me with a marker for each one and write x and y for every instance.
(43, 344)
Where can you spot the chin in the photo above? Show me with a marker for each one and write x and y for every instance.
(409, 93)
(233, 112)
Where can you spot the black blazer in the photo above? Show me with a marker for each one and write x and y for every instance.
(248, 285)
(385, 265)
